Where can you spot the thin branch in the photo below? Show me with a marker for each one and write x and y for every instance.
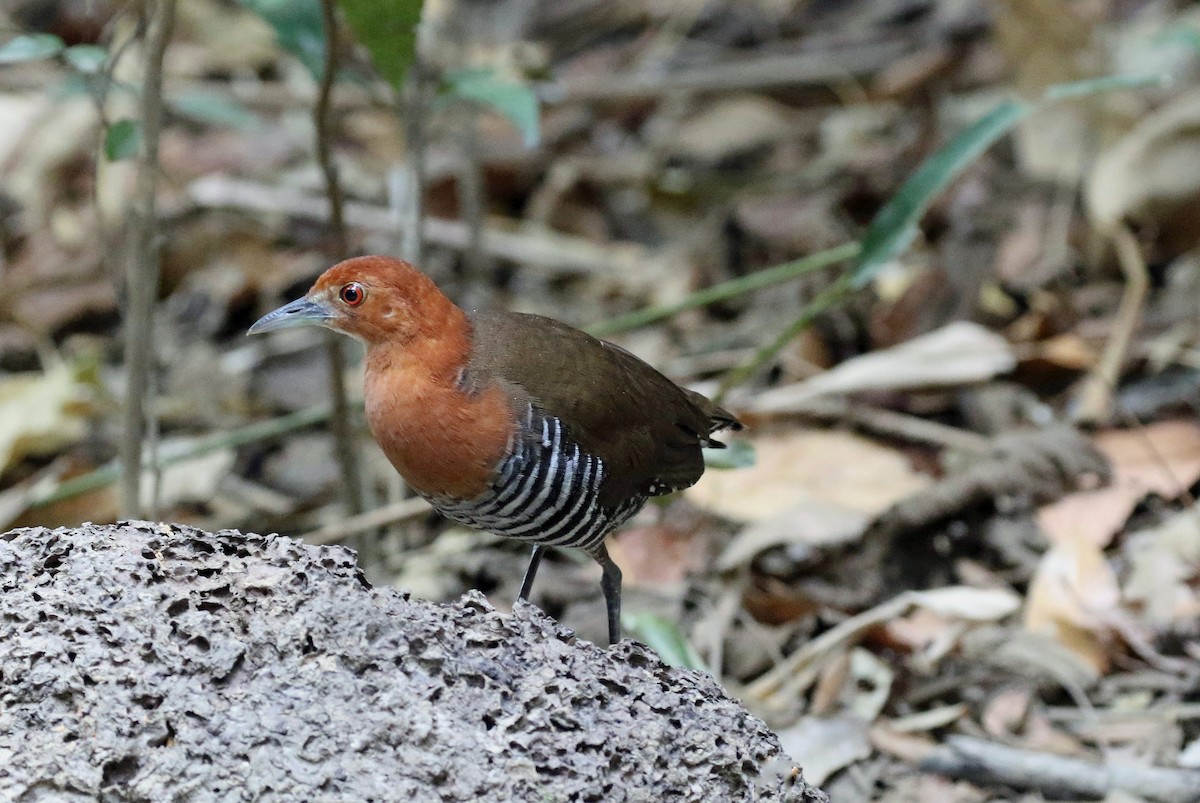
(324, 126)
(828, 65)
(142, 268)
(343, 431)
(1095, 398)
(394, 513)
(471, 192)
(412, 110)
(252, 433)
(502, 239)
(990, 763)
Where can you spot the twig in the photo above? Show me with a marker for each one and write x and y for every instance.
(343, 432)
(471, 192)
(252, 433)
(1095, 399)
(783, 678)
(825, 66)
(142, 269)
(1158, 714)
(501, 239)
(989, 763)
(396, 512)
(893, 424)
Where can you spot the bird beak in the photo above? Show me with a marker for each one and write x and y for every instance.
(301, 312)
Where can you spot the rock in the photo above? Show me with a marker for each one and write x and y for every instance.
(154, 662)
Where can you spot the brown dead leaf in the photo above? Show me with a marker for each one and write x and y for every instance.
(1068, 351)
(52, 309)
(1005, 713)
(728, 127)
(101, 506)
(831, 680)
(911, 748)
(1074, 598)
(658, 555)
(809, 467)
(825, 745)
(958, 353)
(1162, 458)
(40, 413)
(1041, 734)
(917, 630)
(805, 220)
(1164, 576)
(811, 524)
(51, 140)
(772, 601)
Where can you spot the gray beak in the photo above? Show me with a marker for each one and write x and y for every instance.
(301, 312)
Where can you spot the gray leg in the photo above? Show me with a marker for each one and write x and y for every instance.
(535, 560)
(610, 583)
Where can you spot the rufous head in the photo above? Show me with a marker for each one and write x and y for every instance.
(372, 298)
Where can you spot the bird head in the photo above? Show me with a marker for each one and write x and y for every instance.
(372, 298)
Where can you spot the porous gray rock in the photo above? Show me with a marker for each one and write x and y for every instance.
(154, 662)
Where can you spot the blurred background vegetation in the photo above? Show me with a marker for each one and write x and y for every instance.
(941, 255)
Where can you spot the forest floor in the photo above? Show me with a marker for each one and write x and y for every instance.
(958, 558)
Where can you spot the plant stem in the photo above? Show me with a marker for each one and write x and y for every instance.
(142, 269)
(251, 433)
(343, 430)
(726, 290)
(829, 297)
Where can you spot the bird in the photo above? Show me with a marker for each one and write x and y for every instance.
(508, 422)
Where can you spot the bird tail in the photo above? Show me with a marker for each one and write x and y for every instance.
(718, 419)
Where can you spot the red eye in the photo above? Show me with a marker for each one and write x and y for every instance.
(353, 294)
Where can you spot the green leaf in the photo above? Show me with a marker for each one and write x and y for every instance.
(214, 109)
(1105, 83)
(665, 638)
(122, 140)
(388, 30)
(515, 100)
(1178, 34)
(88, 59)
(736, 454)
(299, 28)
(895, 225)
(30, 48)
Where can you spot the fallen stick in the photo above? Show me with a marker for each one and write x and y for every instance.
(806, 68)
(370, 520)
(544, 249)
(982, 762)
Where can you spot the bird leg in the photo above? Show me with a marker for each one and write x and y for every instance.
(535, 560)
(610, 583)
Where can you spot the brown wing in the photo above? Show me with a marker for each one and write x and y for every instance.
(645, 427)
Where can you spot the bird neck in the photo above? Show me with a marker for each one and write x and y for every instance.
(445, 440)
(435, 351)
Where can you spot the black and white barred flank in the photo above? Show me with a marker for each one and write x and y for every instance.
(546, 492)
